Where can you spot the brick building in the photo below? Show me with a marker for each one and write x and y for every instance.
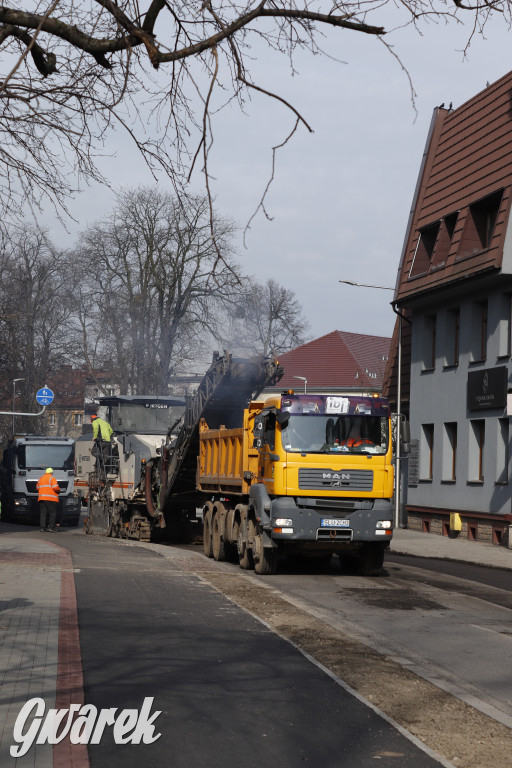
(74, 402)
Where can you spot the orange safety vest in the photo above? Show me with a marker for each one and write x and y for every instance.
(48, 488)
(355, 442)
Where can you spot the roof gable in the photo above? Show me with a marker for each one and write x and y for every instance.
(462, 207)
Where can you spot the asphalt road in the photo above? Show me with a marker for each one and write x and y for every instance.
(448, 622)
(498, 578)
(231, 691)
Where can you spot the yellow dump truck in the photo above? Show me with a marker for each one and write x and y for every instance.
(305, 475)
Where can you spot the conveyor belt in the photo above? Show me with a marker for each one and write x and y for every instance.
(228, 386)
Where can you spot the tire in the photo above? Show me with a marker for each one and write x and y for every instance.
(218, 548)
(207, 533)
(371, 559)
(244, 554)
(265, 558)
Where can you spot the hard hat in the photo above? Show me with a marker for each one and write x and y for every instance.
(49, 470)
(93, 417)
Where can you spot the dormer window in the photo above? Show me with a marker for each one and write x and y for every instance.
(424, 249)
(433, 246)
(480, 224)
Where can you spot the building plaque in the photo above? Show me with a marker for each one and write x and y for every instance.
(413, 464)
(487, 388)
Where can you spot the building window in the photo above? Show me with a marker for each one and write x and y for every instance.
(504, 338)
(480, 224)
(427, 452)
(476, 450)
(479, 331)
(78, 419)
(424, 249)
(429, 342)
(51, 419)
(444, 240)
(450, 451)
(452, 339)
(502, 451)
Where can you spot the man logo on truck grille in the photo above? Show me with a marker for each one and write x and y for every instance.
(336, 478)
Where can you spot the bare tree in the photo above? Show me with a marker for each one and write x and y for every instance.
(72, 71)
(268, 320)
(34, 320)
(146, 295)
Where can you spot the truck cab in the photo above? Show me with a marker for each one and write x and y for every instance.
(24, 460)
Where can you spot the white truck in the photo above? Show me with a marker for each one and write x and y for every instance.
(24, 460)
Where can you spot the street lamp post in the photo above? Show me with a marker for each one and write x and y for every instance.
(398, 399)
(303, 378)
(14, 400)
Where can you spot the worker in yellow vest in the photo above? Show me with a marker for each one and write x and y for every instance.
(102, 435)
(48, 491)
(101, 429)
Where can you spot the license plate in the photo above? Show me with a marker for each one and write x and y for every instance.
(333, 522)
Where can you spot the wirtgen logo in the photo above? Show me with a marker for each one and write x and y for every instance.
(83, 724)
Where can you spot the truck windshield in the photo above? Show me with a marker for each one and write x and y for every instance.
(314, 433)
(145, 418)
(43, 456)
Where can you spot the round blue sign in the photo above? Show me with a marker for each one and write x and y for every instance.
(44, 396)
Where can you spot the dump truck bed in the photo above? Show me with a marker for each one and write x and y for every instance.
(227, 460)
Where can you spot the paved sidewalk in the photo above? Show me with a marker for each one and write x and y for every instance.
(39, 649)
(442, 547)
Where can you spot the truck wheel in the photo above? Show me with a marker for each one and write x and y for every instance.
(371, 559)
(207, 534)
(219, 551)
(265, 559)
(244, 555)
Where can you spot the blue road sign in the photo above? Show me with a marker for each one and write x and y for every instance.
(44, 396)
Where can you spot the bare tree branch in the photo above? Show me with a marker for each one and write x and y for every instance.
(74, 70)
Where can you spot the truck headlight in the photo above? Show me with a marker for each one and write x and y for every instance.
(283, 522)
(383, 524)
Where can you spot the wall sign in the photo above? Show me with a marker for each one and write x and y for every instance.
(487, 388)
(413, 464)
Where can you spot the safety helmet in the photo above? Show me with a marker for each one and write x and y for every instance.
(93, 417)
(49, 470)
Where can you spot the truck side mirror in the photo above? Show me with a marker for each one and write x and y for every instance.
(282, 418)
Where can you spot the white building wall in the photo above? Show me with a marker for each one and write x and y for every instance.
(439, 398)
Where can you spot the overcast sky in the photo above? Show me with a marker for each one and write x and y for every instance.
(342, 195)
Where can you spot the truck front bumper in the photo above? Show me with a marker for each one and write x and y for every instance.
(331, 522)
(25, 509)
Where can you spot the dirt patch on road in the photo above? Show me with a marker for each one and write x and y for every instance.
(461, 734)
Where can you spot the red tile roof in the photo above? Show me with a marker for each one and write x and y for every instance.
(338, 360)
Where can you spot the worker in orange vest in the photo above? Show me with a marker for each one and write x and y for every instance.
(48, 496)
